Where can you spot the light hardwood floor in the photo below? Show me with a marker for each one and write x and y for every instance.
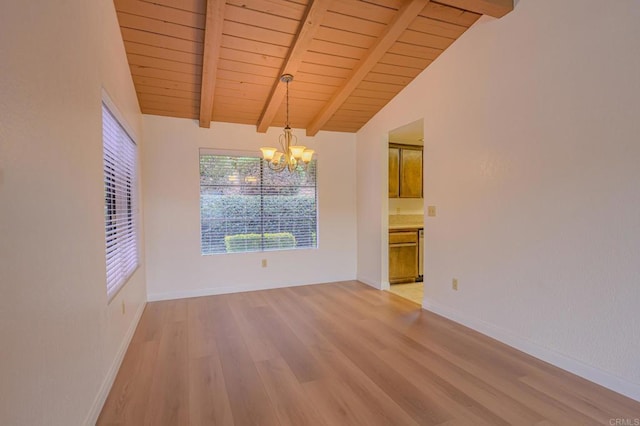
(411, 291)
(336, 354)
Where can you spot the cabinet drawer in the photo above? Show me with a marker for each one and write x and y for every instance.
(403, 237)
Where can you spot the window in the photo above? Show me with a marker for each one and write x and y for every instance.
(245, 206)
(120, 181)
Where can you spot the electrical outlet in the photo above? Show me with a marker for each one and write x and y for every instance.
(454, 284)
(123, 308)
(431, 211)
(264, 263)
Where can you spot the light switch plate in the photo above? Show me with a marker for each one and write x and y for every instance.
(431, 211)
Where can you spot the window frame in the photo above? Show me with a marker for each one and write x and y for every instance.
(128, 198)
(256, 155)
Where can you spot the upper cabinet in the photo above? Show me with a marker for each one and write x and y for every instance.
(405, 171)
(410, 173)
(394, 172)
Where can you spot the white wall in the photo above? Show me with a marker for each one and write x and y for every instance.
(61, 340)
(175, 267)
(532, 159)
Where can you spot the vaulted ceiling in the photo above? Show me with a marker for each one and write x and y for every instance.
(216, 60)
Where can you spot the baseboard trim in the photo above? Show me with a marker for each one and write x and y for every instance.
(369, 282)
(593, 374)
(101, 397)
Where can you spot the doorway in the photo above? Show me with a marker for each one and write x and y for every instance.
(406, 211)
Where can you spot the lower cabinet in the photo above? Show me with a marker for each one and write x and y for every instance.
(403, 256)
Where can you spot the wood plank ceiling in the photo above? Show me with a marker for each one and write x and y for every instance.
(216, 60)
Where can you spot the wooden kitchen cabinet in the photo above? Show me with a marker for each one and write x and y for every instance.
(394, 172)
(405, 171)
(411, 173)
(403, 256)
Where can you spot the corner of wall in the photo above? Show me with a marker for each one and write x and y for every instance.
(101, 397)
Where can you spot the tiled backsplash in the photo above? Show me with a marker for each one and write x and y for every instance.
(406, 206)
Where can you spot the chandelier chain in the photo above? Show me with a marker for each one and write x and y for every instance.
(287, 103)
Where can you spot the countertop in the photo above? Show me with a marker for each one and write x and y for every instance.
(406, 226)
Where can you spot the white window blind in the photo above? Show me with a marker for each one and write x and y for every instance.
(245, 206)
(120, 207)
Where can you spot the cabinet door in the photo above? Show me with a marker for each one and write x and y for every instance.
(394, 172)
(411, 173)
(403, 262)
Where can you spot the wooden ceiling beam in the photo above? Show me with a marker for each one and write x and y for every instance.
(308, 27)
(494, 8)
(212, 43)
(400, 22)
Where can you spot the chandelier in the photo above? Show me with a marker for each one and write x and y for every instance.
(291, 156)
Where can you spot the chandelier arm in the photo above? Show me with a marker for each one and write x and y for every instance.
(277, 167)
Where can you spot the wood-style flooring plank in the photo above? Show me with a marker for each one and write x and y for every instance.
(336, 354)
(362, 348)
(338, 366)
(130, 391)
(208, 399)
(440, 371)
(168, 396)
(298, 357)
(293, 407)
(340, 405)
(250, 403)
(201, 339)
(259, 345)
